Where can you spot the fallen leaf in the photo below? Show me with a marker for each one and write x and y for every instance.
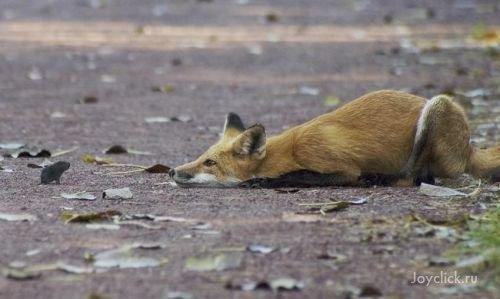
(437, 191)
(95, 295)
(272, 17)
(182, 118)
(17, 217)
(156, 218)
(25, 272)
(141, 216)
(124, 258)
(485, 34)
(162, 119)
(440, 262)
(115, 150)
(218, 262)
(286, 284)
(179, 295)
(57, 114)
(332, 101)
(17, 264)
(32, 152)
(89, 100)
(169, 219)
(79, 195)
(167, 88)
(385, 249)
(334, 256)
(256, 248)
(119, 149)
(53, 172)
(105, 226)
(327, 207)
(158, 168)
(306, 90)
(74, 269)
(136, 152)
(480, 92)
(359, 201)
(176, 62)
(202, 226)
(148, 246)
(370, 291)
(35, 74)
(89, 159)
(11, 146)
(2, 169)
(157, 119)
(255, 49)
(70, 217)
(33, 252)
(248, 286)
(138, 223)
(18, 274)
(122, 193)
(334, 206)
(108, 79)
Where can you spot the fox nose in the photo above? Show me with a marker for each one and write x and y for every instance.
(171, 173)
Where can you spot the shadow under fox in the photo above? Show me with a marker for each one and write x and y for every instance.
(382, 137)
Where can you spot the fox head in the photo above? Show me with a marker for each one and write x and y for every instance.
(233, 159)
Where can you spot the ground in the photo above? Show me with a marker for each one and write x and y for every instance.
(279, 63)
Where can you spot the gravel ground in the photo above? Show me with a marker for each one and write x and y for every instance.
(279, 63)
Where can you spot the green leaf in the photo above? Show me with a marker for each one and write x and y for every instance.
(332, 100)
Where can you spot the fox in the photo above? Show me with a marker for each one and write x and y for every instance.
(383, 137)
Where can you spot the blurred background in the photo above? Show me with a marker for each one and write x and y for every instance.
(274, 62)
(160, 76)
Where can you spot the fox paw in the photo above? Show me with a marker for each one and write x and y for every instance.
(255, 183)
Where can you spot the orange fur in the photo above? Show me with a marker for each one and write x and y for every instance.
(356, 138)
(373, 134)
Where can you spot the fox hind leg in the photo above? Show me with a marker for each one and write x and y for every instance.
(441, 146)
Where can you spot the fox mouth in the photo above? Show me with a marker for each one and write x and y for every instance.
(187, 184)
(183, 183)
(201, 180)
(194, 183)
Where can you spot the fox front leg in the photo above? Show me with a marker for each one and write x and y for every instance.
(287, 180)
(256, 183)
(301, 178)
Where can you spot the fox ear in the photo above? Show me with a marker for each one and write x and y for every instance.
(233, 125)
(251, 142)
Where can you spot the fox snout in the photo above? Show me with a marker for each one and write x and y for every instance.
(178, 175)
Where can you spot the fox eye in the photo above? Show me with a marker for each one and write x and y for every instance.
(209, 162)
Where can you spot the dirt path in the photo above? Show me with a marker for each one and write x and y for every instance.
(277, 63)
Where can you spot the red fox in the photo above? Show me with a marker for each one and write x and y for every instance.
(394, 135)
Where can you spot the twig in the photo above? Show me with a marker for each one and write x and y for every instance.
(64, 152)
(125, 172)
(125, 165)
(318, 203)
